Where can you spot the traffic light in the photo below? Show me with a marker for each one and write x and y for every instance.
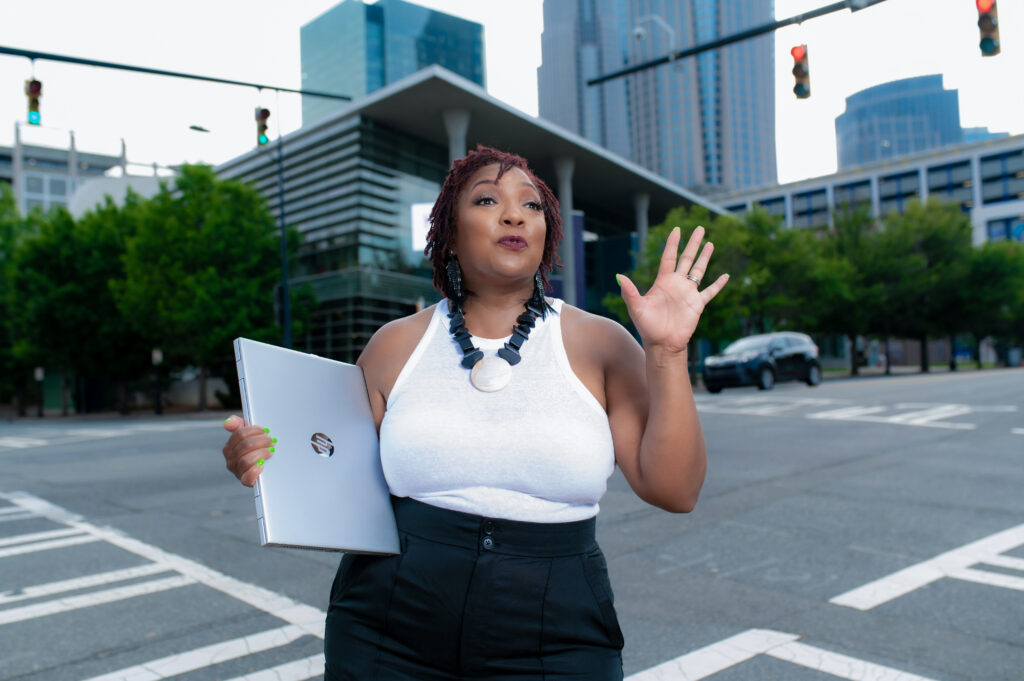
(988, 23)
(33, 90)
(261, 125)
(801, 72)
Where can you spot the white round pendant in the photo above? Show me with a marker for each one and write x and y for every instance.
(491, 374)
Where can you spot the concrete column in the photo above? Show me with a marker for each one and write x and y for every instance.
(124, 159)
(830, 202)
(72, 164)
(564, 167)
(980, 234)
(456, 124)
(789, 209)
(641, 203)
(876, 199)
(18, 179)
(922, 180)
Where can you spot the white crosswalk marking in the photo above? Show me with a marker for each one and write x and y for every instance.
(955, 564)
(46, 545)
(65, 585)
(709, 660)
(37, 536)
(300, 670)
(199, 658)
(90, 599)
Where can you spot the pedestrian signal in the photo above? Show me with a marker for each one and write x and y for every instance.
(33, 90)
(801, 72)
(261, 125)
(988, 24)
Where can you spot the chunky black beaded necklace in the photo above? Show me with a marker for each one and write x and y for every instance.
(491, 374)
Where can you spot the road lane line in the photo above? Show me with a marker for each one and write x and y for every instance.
(200, 658)
(1006, 562)
(11, 509)
(712, 659)
(948, 564)
(312, 620)
(1017, 431)
(709, 660)
(846, 413)
(46, 545)
(90, 599)
(11, 517)
(843, 666)
(37, 536)
(300, 670)
(990, 578)
(86, 582)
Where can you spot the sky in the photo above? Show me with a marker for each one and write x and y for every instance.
(258, 41)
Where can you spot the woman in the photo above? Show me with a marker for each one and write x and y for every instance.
(498, 447)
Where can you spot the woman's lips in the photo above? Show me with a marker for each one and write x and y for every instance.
(516, 243)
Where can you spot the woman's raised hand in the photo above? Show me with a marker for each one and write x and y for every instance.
(667, 316)
(247, 449)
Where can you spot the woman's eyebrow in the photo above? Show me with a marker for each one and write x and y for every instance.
(495, 183)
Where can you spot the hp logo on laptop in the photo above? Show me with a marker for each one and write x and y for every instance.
(322, 445)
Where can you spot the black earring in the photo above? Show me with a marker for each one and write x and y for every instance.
(537, 299)
(454, 273)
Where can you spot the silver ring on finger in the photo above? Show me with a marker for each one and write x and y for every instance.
(695, 280)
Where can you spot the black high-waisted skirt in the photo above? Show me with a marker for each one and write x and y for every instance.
(475, 598)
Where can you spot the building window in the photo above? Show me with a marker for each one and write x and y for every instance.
(952, 182)
(895, 191)
(774, 206)
(1002, 177)
(1006, 228)
(810, 209)
(853, 194)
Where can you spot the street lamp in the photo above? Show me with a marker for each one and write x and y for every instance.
(157, 357)
(639, 32)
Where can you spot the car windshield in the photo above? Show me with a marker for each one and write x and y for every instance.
(753, 344)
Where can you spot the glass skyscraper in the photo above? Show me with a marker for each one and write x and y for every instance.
(895, 119)
(707, 123)
(353, 49)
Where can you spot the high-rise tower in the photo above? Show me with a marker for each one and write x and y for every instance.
(706, 122)
(353, 49)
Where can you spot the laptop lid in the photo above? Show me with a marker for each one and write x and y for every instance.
(324, 487)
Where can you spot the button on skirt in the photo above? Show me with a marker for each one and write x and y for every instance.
(475, 598)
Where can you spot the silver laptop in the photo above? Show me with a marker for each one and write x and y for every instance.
(324, 487)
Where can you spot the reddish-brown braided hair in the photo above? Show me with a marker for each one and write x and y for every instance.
(441, 235)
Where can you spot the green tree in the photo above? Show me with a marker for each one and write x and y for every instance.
(201, 270)
(12, 231)
(995, 290)
(934, 239)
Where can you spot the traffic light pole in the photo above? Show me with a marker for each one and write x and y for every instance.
(286, 298)
(853, 5)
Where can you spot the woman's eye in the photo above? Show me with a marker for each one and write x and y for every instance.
(534, 205)
(484, 201)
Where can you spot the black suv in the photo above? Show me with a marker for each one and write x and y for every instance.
(762, 360)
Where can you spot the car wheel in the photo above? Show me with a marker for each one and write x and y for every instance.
(713, 388)
(813, 374)
(766, 379)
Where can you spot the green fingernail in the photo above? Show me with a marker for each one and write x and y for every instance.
(271, 450)
(274, 439)
(227, 419)
(618, 279)
(266, 430)
(260, 462)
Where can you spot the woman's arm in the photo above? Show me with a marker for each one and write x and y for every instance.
(659, 445)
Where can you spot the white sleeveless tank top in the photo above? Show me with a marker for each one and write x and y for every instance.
(540, 450)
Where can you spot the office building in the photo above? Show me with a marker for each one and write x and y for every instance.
(898, 118)
(354, 49)
(359, 185)
(44, 177)
(986, 179)
(706, 122)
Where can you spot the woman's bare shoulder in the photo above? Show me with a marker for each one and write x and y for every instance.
(390, 347)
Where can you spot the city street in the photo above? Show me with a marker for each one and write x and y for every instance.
(867, 528)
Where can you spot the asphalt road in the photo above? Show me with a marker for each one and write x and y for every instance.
(863, 529)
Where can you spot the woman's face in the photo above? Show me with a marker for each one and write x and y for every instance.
(500, 228)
